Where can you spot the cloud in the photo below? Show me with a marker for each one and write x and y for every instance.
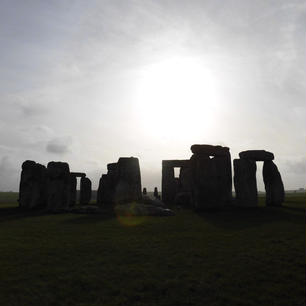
(59, 145)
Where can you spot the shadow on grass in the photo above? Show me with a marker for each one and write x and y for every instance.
(16, 213)
(240, 218)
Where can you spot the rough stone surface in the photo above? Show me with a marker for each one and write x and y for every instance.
(58, 185)
(33, 185)
(257, 155)
(85, 191)
(211, 178)
(209, 150)
(275, 193)
(245, 182)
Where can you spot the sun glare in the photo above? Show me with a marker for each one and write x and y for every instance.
(176, 97)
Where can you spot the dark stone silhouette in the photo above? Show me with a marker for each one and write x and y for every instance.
(85, 191)
(245, 182)
(33, 185)
(170, 184)
(58, 185)
(73, 185)
(257, 155)
(275, 193)
(211, 177)
(245, 179)
(155, 193)
(144, 191)
(122, 183)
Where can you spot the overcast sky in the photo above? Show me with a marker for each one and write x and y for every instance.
(89, 81)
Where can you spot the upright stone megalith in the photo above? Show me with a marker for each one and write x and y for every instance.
(33, 185)
(211, 176)
(58, 186)
(128, 185)
(85, 191)
(122, 183)
(275, 193)
(245, 182)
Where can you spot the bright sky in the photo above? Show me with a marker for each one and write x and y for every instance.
(89, 81)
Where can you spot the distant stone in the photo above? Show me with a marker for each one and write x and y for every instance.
(209, 150)
(257, 155)
(144, 191)
(155, 192)
(275, 192)
(85, 191)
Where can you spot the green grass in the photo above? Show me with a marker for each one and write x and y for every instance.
(233, 257)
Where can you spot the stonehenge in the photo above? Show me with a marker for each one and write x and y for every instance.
(33, 185)
(204, 182)
(85, 191)
(121, 184)
(52, 188)
(245, 179)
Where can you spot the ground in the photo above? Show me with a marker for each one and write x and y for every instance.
(232, 257)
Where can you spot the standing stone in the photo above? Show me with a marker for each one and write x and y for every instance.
(58, 185)
(85, 191)
(211, 176)
(32, 189)
(169, 184)
(144, 191)
(245, 182)
(73, 192)
(275, 193)
(155, 192)
(128, 185)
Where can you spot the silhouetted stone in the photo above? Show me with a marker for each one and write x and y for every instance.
(122, 183)
(211, 177)
(257, 155)
(128, 184)
(245, 182)
(85, 191)
(58, 186)
(209, 150)
(73, 185)
(73, 192)
(275, 193)
(155, 192)
(33, 185)
(144, 191)
(170, 184)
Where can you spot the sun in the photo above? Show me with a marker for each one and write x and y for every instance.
(176, 97)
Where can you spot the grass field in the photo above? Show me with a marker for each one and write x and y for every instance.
(232, 257)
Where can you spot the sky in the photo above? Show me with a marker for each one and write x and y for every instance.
(87, 82)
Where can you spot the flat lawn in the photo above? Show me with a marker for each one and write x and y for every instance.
(232, 257)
